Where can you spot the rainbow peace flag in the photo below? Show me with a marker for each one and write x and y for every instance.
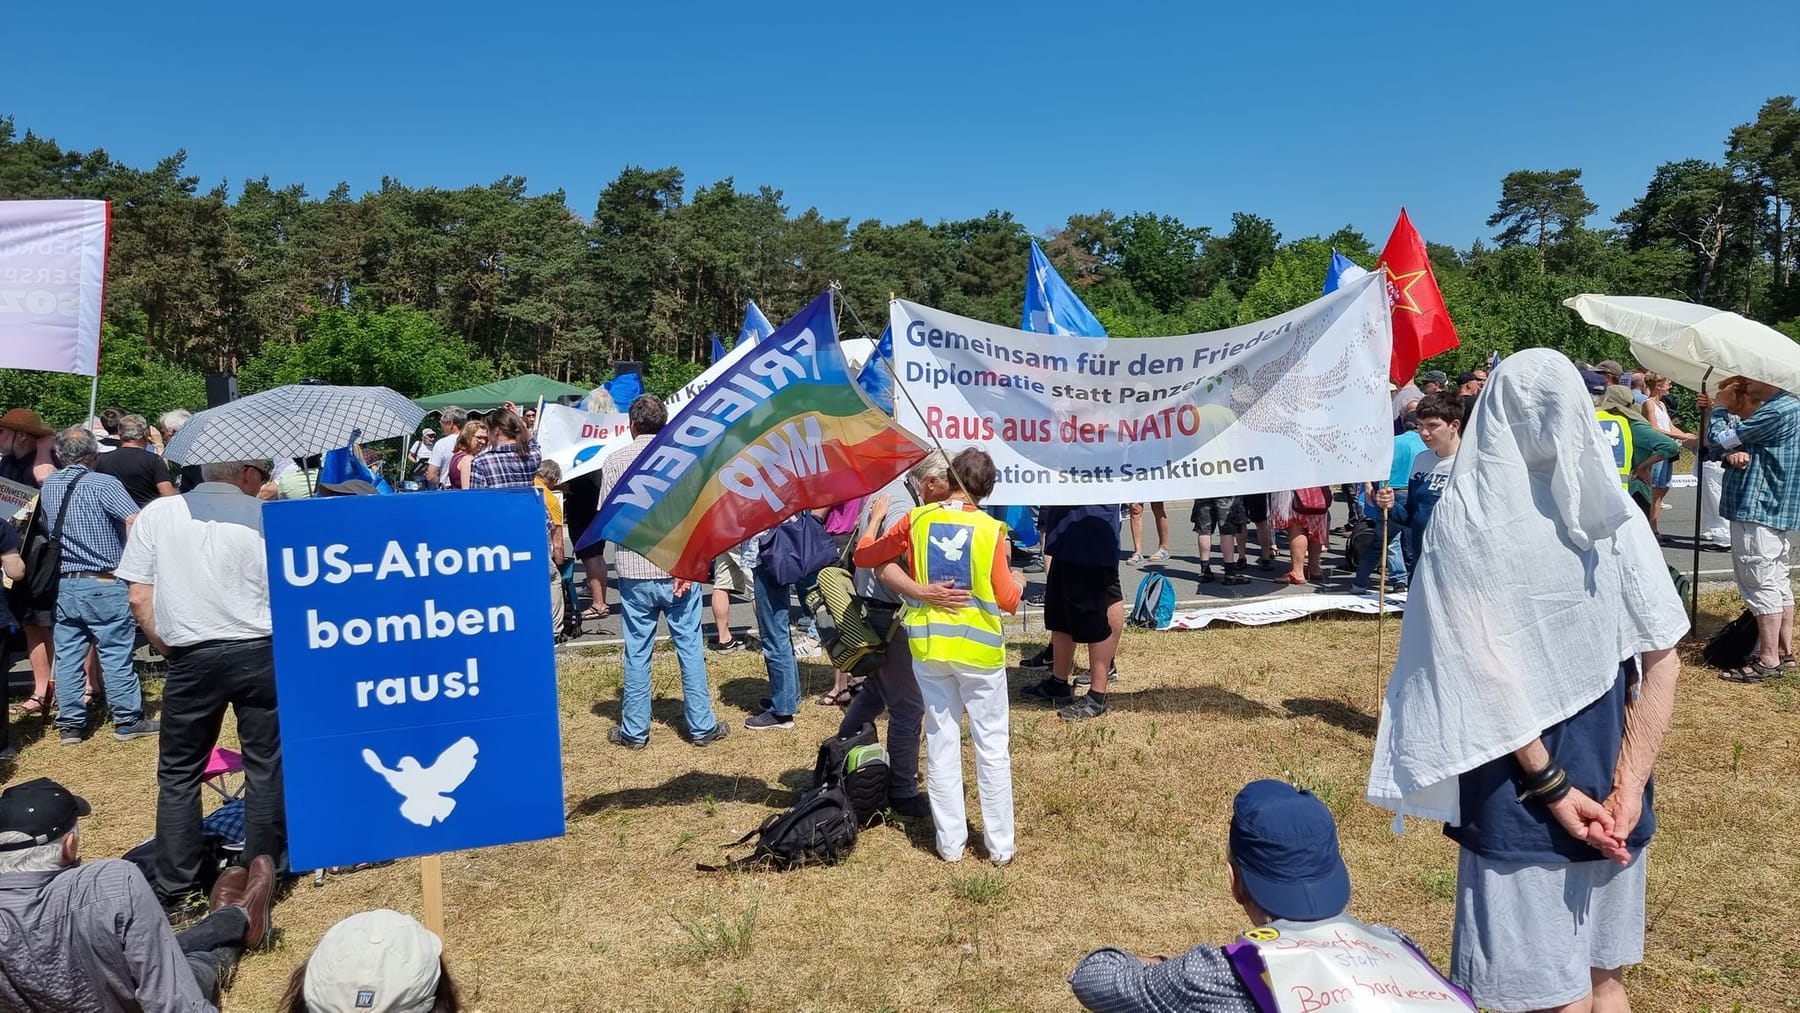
(785, 429)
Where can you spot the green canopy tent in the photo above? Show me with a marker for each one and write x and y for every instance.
(520, 390)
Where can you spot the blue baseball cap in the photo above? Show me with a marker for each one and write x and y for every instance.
(1285, 845)
(1595, 382)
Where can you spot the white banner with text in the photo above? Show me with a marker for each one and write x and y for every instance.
(52, 275)
(579, 441)
(1295, 400)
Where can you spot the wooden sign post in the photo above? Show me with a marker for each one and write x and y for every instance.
(431, 882)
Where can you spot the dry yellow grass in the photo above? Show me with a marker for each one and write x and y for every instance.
(1120, 827)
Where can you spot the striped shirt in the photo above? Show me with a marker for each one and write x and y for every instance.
(630, 565)
(94, 531)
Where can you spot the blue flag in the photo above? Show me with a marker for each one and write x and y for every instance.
(718, 348)
(877, 376)
(1051, 306)
(756, 327)
(1342, 269)
(346, 464)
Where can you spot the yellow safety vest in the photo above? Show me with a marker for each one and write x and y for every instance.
(957, 545)
(1618, 439)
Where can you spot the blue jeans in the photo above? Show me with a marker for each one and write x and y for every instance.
(772, 602)
(1396, 558)
(640, 603)
(95, 612)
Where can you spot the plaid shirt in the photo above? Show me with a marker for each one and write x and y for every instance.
(629, 564)
(503, 468)
(94, 532)
(1768, 491)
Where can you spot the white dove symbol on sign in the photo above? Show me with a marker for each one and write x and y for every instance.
(952, 547)
(426, 790)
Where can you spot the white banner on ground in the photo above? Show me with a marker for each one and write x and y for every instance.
(579, 441)
(1280, 610)
(52, 274)
(1296, 400)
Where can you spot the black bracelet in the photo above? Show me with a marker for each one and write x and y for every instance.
(1532, 783)
(1548, 785)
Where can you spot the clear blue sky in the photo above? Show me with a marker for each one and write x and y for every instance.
(1315, 115)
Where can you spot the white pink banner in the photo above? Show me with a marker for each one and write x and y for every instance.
(52, 276)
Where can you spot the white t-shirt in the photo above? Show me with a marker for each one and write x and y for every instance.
(203, 552)
(441, 452)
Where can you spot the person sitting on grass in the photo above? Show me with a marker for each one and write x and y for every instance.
(1440, 427)
(1288, 876)
(90, 937)
(374, 962)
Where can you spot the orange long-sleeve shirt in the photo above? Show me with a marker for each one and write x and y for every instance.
(895, 545)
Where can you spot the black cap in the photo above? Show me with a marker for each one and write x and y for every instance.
(41, 808)
(1467, 377)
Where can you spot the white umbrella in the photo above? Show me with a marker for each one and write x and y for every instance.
(1695, 346)
(298, 420)
(1684, 341)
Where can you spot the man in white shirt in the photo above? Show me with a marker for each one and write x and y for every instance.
(437, 473)
(199, 586)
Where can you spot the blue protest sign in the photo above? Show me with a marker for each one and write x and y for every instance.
(415, 670)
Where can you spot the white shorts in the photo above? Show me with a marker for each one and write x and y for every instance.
(730, 575)
(1759, 561)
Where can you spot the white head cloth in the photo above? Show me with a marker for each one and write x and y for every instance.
(1536, 578)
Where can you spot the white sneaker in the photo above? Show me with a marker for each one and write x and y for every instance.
(807, 647)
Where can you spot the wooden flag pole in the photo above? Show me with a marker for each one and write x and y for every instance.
(431, 882)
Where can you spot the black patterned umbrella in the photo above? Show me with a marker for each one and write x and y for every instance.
(299, 420)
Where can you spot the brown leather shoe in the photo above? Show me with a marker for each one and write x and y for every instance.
(258, 893)
(228, 891)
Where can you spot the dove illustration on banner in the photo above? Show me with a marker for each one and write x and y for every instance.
(426, 790)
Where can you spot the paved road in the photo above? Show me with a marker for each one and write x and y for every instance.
(1183, 566)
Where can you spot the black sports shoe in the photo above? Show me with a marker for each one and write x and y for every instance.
(1086, 678)
(734, 644)
(1037, 662)
(1207, 576)
(618, 737)
(1050, 690)
(1082, 709)
(719, 731)
(768, 719)
(916, 808)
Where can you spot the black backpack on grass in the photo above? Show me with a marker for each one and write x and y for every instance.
(818, 829)
(1734, 645)
(849, 791)
(859, 764)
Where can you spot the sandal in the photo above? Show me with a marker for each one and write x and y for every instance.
(1750, 674)
(593, 613)
(39, 704)
(1159, 555)
(1137, 559)
(835, 698)
(1289, 578)
(1788, 664)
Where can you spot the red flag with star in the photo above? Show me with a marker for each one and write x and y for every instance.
(1422, 326)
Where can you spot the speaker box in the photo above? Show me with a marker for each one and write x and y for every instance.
(221, 388)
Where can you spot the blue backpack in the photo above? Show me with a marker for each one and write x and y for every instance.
(1154, 606)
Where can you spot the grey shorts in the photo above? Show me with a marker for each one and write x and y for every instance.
(1527, 936)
